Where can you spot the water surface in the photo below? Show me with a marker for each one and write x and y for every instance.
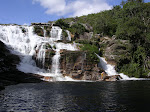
(121, 96)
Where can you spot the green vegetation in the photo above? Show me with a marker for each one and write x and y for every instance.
(54, 46)
(23, 30)
(76, 29)
(128, 21)
(61, 24)
(134, 25)
(51, 53)
(38, 30)
(64, 33)
(91, 50)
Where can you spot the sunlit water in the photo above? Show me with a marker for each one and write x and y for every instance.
(122, 96)
(27, 44)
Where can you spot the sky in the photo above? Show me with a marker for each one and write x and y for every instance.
(29, 11)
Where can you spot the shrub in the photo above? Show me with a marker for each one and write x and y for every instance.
(61, 24)
(38, 30)
(91, 50)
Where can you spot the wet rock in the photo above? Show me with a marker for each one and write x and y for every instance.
(76, 65)
(112, 78)
(9, 75)
(49, 53)
(47, 78)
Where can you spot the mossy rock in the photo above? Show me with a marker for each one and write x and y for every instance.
(39, 31)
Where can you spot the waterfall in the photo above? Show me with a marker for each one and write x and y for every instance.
(44, 31)
(56, 33)
(41, 54)
(69, 36)
(55, 63)
(110, 69)
(26, 44)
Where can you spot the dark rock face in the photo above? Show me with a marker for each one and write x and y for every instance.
(8, 73)
(76, 65)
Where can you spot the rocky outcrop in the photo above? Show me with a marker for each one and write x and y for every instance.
(86, 36)
(41, 24)
(114, 49)
(49, 53)
(76, 65)
(8, 73)
(39, 30)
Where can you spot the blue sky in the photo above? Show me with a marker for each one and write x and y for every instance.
(28, 11)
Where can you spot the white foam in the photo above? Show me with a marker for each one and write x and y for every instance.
(26, 44)
(110, 70)
(69, 36)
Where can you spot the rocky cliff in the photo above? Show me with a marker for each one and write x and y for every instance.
(76, 65)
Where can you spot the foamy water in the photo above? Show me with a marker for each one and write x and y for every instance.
(26, 44)
(110, 70)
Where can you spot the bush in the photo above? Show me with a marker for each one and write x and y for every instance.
(77, 29)
(61, 24)
(64, 33)
(91, 50)
(38, 30)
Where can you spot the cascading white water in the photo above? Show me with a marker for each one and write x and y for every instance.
(41, 54)
(56, 33)
(110, 69)
(69, 36)
(44, 31)
(55, 63)
(27, 43)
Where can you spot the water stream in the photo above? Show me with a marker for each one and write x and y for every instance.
(26, 44)
(110, 69)
(22, 41)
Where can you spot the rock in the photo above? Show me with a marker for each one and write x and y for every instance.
(114, 49)
(75, 64)
(112, 78)
(88, 27)
(41, 24)
(49, 53)
(86, 36)
(62, 50)
(47, 78)
(9, 75)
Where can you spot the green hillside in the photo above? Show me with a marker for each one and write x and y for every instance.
(129, 21)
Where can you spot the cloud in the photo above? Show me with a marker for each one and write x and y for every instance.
(73, 7)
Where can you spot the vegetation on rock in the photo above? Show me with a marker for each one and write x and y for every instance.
(91, 50)
(129, 21)
(38, 30)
